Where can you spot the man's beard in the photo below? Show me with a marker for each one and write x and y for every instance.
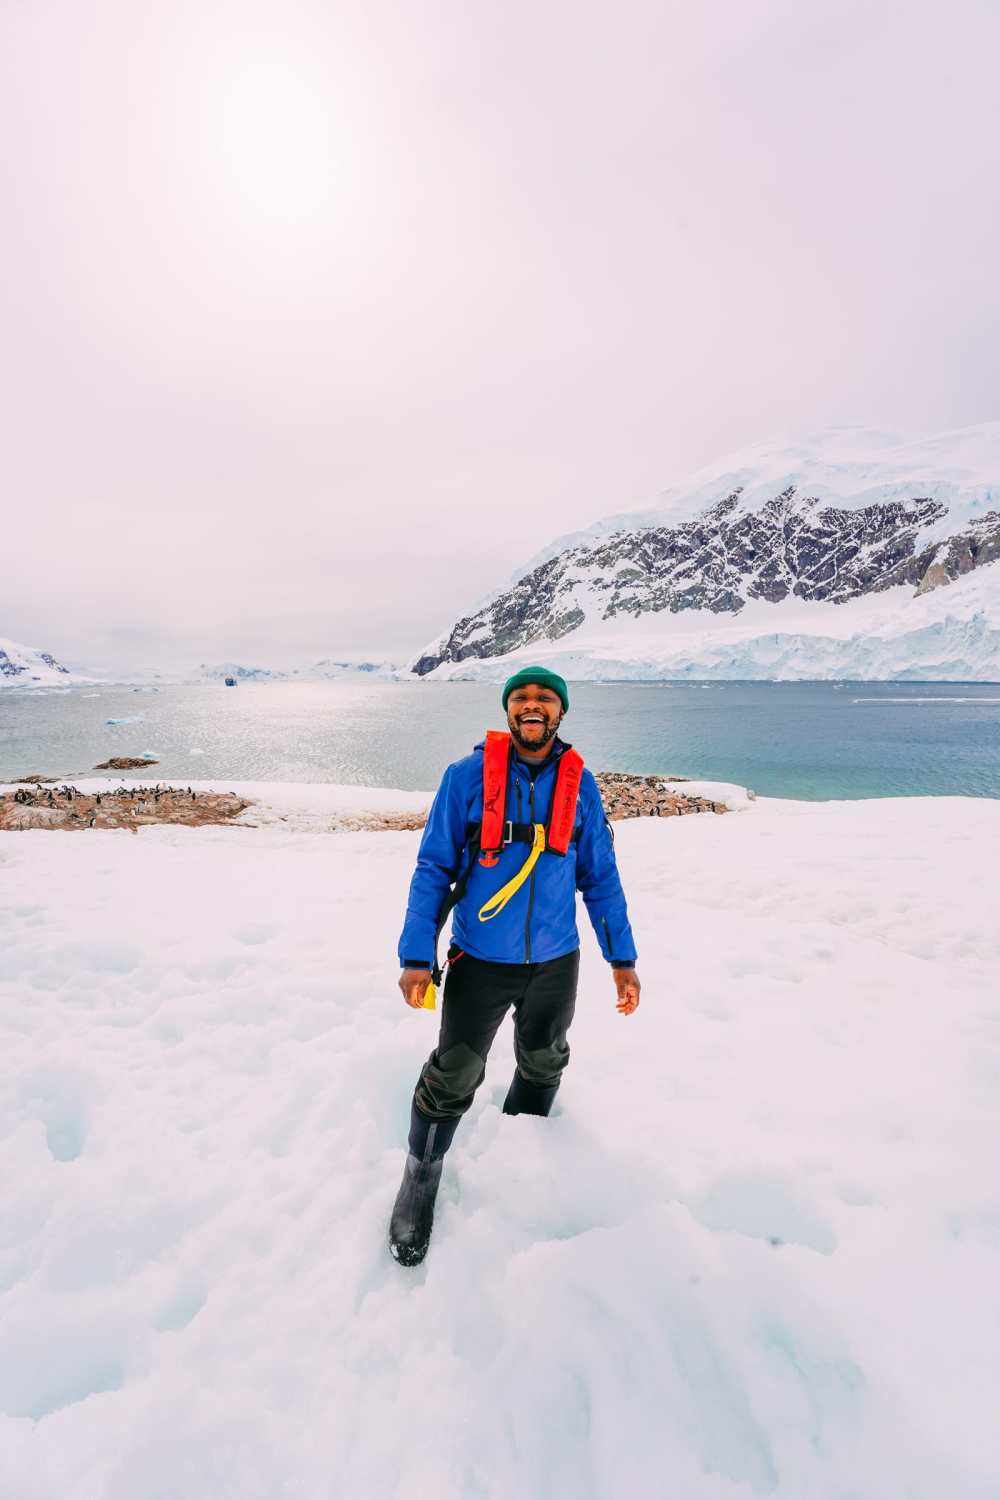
(533, 745)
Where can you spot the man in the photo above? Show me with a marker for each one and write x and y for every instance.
(514, 936)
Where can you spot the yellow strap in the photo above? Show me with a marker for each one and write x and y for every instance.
(497, 902)
(430, 996)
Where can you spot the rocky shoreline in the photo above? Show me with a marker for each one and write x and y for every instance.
(40, 803)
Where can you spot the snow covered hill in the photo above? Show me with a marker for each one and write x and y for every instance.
(755, 1250)
(329, 669)
(27, 666)
(316, 672)
(817, 560)
(221, 670)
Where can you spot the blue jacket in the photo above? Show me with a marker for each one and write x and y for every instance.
(539, 922)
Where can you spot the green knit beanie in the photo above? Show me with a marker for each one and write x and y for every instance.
(543, 677)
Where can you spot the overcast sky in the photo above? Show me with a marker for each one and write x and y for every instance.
(319, 318)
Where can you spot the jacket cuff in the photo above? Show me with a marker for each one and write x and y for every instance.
(624, 963)
(415, 963)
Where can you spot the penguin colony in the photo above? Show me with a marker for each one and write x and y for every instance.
(127, 807)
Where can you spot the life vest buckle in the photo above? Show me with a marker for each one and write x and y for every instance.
(490, 857)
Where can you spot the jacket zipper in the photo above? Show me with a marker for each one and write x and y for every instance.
(531, 880)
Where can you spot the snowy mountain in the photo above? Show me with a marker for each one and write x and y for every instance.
(851, 554)
(222, 670)
(26, 666)
(318, 672)
(328, 668)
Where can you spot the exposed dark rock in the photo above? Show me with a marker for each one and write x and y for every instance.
(10, 668)
(623, 795)
(50, 661)
(126, 763)
(379, 822)
(792, 545)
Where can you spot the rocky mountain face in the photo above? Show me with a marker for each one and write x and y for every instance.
(790, 545)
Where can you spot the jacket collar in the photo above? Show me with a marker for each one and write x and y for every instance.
(558, 747)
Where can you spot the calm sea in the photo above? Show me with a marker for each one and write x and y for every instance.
(808, 740)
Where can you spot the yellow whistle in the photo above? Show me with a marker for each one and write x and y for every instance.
(430, 996)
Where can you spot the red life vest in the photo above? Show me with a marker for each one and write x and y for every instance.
(562, 814)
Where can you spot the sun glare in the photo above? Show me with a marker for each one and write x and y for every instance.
(276, 139)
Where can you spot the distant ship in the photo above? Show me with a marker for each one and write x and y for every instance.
(230, 682)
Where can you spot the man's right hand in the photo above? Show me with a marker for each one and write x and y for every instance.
(413, 983)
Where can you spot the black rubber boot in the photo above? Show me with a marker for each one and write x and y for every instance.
(413, 1211)
(525, 1098)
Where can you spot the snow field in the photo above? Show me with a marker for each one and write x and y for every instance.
(754, 1251)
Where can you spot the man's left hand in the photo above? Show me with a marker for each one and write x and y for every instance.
(628, 987)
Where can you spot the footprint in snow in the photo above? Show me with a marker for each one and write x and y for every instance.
(57, 1100)
(765, 1208)
(181, 1307)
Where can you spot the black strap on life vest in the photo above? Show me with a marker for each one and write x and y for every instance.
(522, 833)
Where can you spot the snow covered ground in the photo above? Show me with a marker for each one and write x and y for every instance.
(755, 1250)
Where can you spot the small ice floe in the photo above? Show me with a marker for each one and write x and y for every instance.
(935, 698)
(195, 751)
(126, 719)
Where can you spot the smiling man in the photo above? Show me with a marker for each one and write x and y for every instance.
(516, 829)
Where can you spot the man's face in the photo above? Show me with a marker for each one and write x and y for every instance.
(533, 715)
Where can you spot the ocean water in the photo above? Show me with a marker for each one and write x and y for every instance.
(783, 739)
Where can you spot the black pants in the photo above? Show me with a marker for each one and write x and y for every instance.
(477, 996)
